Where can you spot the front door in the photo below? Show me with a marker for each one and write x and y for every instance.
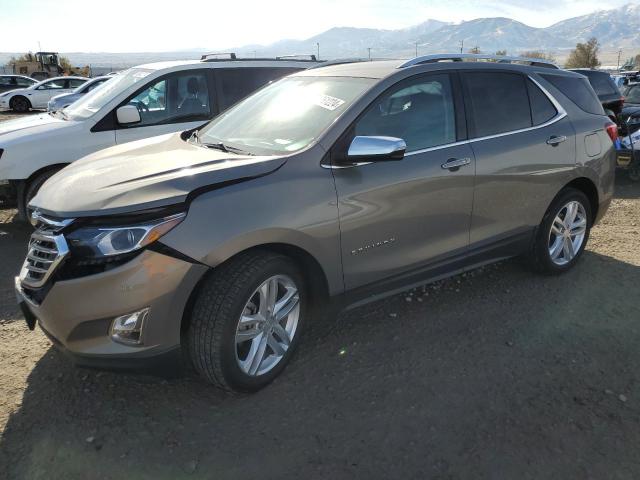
(400, 216)
(173, 103)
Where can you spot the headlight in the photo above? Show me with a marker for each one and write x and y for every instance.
(98, 242)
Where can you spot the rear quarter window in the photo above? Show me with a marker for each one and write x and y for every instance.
(578, 90)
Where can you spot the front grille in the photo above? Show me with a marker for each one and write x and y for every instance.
(47, 248)
(46, 251)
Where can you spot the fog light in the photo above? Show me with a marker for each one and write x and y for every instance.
(128, 328)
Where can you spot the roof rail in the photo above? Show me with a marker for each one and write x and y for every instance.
(211, 56)
(338, 61)
(290, 57)
(461, 57)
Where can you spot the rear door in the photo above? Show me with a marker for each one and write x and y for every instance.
(397, 217)
(524, 146)
(172, 103)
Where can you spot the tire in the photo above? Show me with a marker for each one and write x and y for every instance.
(217, 352)
(544, 256)
(31, 190)
(20, 104)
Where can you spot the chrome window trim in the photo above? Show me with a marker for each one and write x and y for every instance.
(561, 113)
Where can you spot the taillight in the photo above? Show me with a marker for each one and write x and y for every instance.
(612, 131)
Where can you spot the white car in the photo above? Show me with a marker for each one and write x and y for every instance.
(63, 100)
(141, 102)
(38, 95)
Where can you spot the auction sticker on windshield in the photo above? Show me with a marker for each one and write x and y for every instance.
(328, 102)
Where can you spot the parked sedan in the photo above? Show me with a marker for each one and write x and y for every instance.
(63, 100)
(38, 95)
(13, 82)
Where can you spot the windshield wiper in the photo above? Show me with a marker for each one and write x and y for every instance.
(225, 148)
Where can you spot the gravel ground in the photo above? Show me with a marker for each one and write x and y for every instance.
(496, 374)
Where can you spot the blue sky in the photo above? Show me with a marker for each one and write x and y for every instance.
(160, 25)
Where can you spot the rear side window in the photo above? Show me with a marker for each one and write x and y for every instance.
(542, 110)
(499, 102)
(578, 90)
(237, 83)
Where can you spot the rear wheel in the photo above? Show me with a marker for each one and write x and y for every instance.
(247, 320)
(563, 233)
(20, 104)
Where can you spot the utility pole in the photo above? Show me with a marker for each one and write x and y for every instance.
(461, 45)
(318, 49)
(369, 49)
(416, 49)
(619, 53)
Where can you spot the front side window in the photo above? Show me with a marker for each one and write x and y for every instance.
(6, 81)
(178, 97)
(93, 101)
(499, 102)
(419, 111)
(286, 116)
(52, 85)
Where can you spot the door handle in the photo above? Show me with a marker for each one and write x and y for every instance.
(454, 164)
(556, 140)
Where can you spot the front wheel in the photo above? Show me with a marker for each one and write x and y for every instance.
(246, 321)
(563, 233)
(20, 104)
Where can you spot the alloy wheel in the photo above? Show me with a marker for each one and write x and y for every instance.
(267, 325)
(567, 233)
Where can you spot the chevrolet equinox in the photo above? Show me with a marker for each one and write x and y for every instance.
(336, 184)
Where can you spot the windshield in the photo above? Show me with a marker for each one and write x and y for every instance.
(286, 116)
(99, 97)
(632, 94)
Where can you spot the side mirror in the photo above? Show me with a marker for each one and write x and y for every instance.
(127, 114)
(376, 149)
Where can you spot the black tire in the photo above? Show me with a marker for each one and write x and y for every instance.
(31, 190)
(216, 312)
(20, 104)
(539, 257)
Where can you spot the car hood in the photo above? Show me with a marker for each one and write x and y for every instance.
(62, 96)
(31, 124)
(149, 173)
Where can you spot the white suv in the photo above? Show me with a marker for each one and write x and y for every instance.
(141, 102)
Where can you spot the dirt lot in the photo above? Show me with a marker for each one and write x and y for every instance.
(497, 374)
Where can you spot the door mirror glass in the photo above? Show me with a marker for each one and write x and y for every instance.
(127, 115)
(376, 149)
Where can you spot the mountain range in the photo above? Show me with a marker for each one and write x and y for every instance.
(615, 29)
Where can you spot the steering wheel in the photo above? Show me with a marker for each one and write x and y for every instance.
(139, 105)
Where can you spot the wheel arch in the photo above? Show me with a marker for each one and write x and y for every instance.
(19, 95)
(588, 187)
(310, 267)
(23, 185)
